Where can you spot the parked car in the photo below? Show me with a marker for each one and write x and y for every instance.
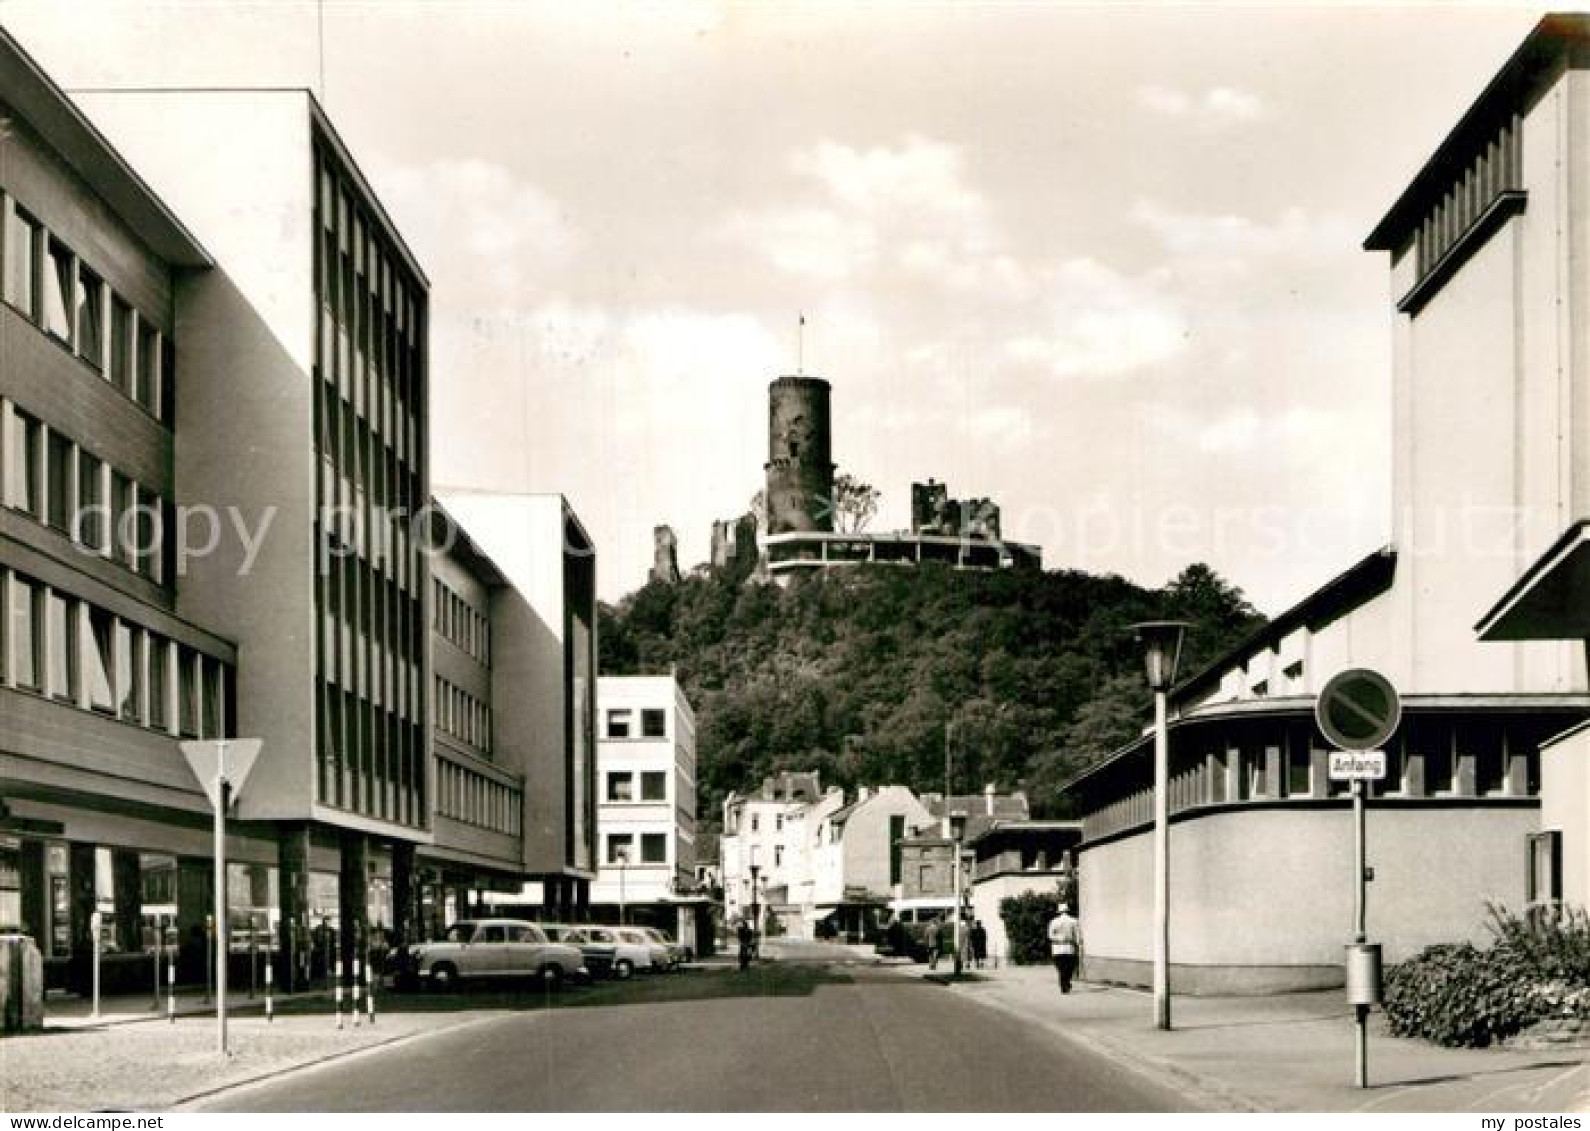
(657, 954)
(907, 933)
(678, 953)
(627, 955)
(493, 948)
(598, 958)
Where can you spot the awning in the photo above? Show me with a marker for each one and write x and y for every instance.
(1551, 601)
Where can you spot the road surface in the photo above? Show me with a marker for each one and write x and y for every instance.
(796, 1035)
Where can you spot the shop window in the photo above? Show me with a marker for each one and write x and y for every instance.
(60, 291)
(654, 785)
(654, 723)
(654, 849)
(10, 885)
(620, 787)
(22, 254)
(157, 884)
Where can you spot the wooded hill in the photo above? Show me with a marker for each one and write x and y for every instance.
(860, 672)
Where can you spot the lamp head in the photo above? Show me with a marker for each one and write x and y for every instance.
(1161, 641)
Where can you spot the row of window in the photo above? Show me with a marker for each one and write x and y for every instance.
(62, 484)
(462, 716)
(50, 285)
(475, 799)
(653, 785)
(1430, 758)
(621, 848)
(367, 486)
(1496, 167)
(461, 623)
(368, 628)
(67, 649)
(371, 761)
(621, 722)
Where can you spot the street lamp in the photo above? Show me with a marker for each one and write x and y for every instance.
(756, 906)
(1161, 641)
(957, 832)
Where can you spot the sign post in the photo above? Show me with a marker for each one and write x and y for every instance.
(222, 781)
(1359, 710)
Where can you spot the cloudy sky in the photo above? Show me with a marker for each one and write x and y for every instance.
(1101, 265)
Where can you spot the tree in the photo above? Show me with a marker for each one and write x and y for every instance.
(854, 504)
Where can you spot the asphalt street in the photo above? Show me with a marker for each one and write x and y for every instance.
(796, 1035)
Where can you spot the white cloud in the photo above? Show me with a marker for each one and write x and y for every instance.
(1101, 323)
(812, 243)
(1293, 232)
(1298, 432)
(476, 227)
(1214, 107)
(1003, 424)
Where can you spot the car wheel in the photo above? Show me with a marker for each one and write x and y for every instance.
(552, 975)
(444, 977)
(623, 969)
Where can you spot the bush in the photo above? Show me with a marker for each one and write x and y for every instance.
(1026, 918)
(1538, 967)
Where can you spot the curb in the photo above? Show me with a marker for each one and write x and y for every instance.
(1203, 1092)
(236, 1009)
(275, 1074)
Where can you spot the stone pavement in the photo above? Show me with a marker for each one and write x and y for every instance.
(151, 1065)
(1288, 1052)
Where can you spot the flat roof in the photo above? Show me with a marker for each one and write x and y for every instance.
(1560, 40)
(34, 95)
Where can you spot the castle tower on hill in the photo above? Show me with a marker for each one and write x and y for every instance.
(800, 466)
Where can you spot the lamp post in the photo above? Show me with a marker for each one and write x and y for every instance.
(957, 832)
(1161, 641)
(756, 906)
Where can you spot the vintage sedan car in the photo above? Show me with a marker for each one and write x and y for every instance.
(628, 955)
(678, 953)
(658, 960)
(494, 948)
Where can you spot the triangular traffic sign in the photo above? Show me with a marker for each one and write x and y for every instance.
(204, 757)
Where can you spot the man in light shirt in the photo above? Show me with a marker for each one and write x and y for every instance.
(1065, 945)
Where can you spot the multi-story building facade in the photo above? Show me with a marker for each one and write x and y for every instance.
(105, 668)
(856, 865)
(1488, 461)
(765, 846)
(646, 811)
(426, 738)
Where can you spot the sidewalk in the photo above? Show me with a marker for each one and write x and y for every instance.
(1290, 1052)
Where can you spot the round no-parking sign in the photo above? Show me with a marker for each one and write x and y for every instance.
(1358, 709)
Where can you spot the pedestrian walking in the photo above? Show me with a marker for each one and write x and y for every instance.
(1065, 945)
(945, 935)
(747, 940)
(932, 941)
(978, 940)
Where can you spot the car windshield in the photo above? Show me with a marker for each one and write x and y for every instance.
(460, 932)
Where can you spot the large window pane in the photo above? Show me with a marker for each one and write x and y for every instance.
(187, 693)
(59, 476)
(146, 381)
(59, 647)
(90, 314)
(210, 697)
(121, 324)
(23, 635)
(123, 528)
(654, 786)
(22, 250)
(654, 848)
(128, 672)
(22, 453)
(654, 723)
(60, 291)
(159, 673)
(89, 527)
(96, 632)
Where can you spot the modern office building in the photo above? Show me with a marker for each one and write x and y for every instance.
(646, 809)
(1489, 459)
(105, 668)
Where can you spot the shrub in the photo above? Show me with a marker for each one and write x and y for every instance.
(1538, 966)
(1026, 918)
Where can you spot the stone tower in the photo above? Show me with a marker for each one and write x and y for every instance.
(800, 468)
(665, 555)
